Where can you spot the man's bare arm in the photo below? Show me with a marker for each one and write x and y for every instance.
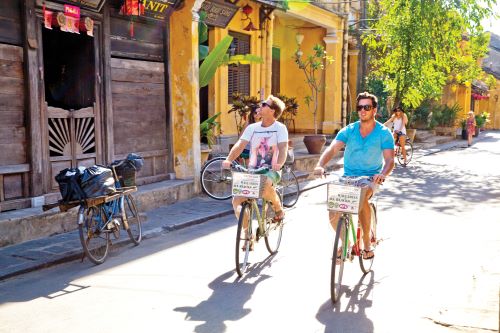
(388, 166)
(237, 149)
(283, 150)
(330, 152)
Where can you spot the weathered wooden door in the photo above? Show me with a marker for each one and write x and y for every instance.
(72, 99)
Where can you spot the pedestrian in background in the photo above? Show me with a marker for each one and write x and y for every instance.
(471, 127)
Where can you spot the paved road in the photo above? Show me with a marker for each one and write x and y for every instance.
(437, 269)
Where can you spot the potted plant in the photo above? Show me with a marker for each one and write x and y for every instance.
(313, 67)
(463, 125)
(290, 111)
(207, 134)
(241, 106)
(481, 120)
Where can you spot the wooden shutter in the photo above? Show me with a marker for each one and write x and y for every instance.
(239, 75)
(275, 77)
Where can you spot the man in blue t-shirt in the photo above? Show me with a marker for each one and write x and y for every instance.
(369, 151)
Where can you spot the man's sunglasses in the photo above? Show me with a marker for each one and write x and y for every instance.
(264, 104)
(364, 107)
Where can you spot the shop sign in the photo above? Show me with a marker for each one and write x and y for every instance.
(94, 5)
(219, 13)
(156, 9)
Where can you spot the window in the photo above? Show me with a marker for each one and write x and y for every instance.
(239, 75)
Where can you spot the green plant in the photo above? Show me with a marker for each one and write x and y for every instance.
(291, 108)
(463, 123)
(208, 128)
(445, 116)
(312, 67)
(241, 106)
(482, 119)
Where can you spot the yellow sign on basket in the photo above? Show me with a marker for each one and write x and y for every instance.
(343, 198)
(246, 185)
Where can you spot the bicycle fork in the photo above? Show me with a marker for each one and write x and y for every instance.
(349, 253)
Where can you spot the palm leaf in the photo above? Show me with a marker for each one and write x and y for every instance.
(213, 61)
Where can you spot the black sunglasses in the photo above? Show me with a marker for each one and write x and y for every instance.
(264, 104)
(364, 107)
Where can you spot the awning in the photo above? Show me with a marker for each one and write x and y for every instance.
(479, 87)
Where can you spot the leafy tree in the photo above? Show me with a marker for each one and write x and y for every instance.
(416, 46)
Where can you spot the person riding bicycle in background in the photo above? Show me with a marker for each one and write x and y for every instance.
(369, 151)
(399, 121)
(252, 117)
(268, 140)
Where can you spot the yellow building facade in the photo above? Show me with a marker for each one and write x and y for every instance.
(276, 36)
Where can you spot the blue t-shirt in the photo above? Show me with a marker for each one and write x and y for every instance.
(364, 156)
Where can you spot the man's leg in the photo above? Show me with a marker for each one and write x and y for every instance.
(269, 194)
(365, 216)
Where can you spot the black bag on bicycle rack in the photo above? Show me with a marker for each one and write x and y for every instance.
(98, 181)
(126, 170)
(69, 184)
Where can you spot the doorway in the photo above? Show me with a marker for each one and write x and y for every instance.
(71, 101)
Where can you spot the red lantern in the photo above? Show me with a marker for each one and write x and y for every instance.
(247, 10)
(132, 8)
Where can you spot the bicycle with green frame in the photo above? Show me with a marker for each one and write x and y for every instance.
(344, 196)
(256, 216)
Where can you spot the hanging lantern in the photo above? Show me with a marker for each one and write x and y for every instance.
(247, 10)
(250, 27)
(132, 8)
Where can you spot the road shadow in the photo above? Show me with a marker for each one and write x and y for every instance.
(439, 186)
(350, 317)
(227, 302)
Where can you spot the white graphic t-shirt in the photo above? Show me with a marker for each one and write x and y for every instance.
(264, 143)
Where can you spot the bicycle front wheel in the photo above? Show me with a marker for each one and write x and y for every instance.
(216, 181)
(409, 154)
(244, 238)
(274, 231)
(95, 242)
(134, 223)
(366, 264)
(338, 258)
(290, 187)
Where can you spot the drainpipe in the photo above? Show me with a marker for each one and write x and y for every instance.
(345, 69)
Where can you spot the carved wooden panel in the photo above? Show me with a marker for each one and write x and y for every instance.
(72, 139)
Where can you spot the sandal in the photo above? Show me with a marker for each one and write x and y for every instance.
(244, 247)
(278, 216)
(368, 254)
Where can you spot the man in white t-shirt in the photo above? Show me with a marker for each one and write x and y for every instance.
(268, 148)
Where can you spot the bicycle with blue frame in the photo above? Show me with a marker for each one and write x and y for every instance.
(102, 216)
(345, 197)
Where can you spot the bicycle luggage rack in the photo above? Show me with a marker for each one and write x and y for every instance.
(90, 202)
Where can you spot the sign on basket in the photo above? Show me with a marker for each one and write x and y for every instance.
(247, 185)
(343, 198)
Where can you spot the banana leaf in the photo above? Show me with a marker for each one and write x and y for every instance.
(213, 61)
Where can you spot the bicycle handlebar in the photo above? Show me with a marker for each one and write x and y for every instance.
(260, 170)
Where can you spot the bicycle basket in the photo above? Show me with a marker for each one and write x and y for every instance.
(248, 185)
(290, 156)
(344, 198)
(126, 173)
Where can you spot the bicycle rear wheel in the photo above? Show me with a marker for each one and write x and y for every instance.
(244, 238)
(133, 219)
(409, 154)
(95, 242)
(216, 181)
(366, 264)
(290, 187)
(338, 262)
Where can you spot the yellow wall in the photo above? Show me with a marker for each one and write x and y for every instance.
(218, 98)
(494, 107)
(184, 92)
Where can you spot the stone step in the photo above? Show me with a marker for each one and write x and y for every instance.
(423, 135)
(22, 225)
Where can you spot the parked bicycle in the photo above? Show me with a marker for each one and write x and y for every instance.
(103, 216)
(256, 217)
(216, 181)
(398, 151)
(344, 196)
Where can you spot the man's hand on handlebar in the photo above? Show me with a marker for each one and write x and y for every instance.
(379, 178)
(226, 164)
(319, 172)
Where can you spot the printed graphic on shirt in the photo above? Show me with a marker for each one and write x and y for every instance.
(264, 149)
